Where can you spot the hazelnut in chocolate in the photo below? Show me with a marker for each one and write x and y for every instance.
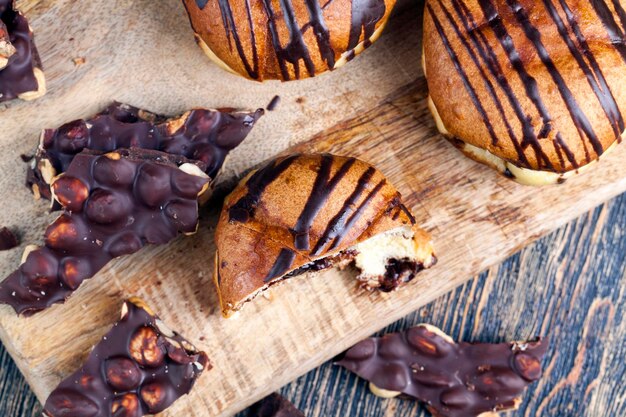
(202, 135)
(21, 75)
(274, 405)
(140, 367)
(307, 212)
(453, 379)
(113, 205)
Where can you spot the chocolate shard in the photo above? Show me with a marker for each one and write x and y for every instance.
(7, 239)
(140, 367)
(21, 74)
(453, 379)
(113, 205)
(202, 135)
(274, 405)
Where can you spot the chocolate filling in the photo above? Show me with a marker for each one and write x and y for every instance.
(323, 263)
(398, 271)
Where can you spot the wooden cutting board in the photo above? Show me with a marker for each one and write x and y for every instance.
(142, 52)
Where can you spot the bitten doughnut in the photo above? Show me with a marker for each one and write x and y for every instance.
(286, 40)
(533, 89)
(308, 212)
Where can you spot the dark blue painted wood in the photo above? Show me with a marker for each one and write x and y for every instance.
(570, 285)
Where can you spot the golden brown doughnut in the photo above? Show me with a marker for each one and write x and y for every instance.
(286, 39)
(309, 212)
(533, 88)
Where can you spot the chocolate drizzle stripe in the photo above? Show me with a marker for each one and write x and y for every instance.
(228, 21)
(529, 82)
(615, 33)
(488, 84)
(365, 16)
(337, 225)
(281, 266)
(578, 116)
(489, 58)
(357, 214)
(322, 35)
(296, 50)
(245, 207)
(592, 71)
(407, 212)
(459, 68)
(322, 188)
(621, 13)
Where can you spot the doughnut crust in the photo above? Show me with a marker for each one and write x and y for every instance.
(527, 85)
(307, 212)
(285, 39)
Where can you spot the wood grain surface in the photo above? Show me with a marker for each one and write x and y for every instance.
(570, 283)
(142, 52)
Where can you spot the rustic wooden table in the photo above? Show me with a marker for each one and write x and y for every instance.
(570, 285)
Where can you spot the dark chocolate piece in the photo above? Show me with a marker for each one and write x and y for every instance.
(273, 103)
(7, 239)
(274, 405)
(19, 78)
(140, 367)
(453, 379)
(114, 204)
(201, 135)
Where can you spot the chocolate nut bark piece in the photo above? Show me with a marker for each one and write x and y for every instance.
(113, 205)
(453, 379)
(21, 76)
(274, 405)
(307, 212)
(140, 367)
(202, 135)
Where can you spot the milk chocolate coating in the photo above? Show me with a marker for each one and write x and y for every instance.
(113, 204)
(18, 76)
(453, 379)
(274, 405)
(202, 135)
(138, 368)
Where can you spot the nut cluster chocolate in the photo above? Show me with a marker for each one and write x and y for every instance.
(202, 135)
(453, 379)
(21, 75)
(274, 405)
(140, 367)
(114, 204)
